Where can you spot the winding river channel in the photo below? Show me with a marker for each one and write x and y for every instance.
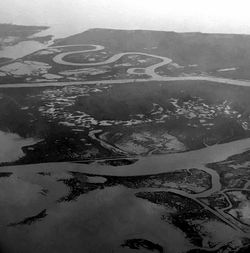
(149, 165)
(156, 164)
(150, 71)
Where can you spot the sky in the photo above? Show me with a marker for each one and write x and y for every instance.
(223, 16)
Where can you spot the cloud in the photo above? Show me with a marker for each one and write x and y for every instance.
(180, 15)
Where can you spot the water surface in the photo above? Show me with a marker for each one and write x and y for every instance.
(11, 146)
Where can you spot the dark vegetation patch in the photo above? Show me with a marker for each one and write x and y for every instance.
(198, 53)
(238, 204)
(208, 51)
(78, 184)
(4, 60)
(182, 212)
(84, 162)
(19, 30)
(118, 162)
(84, 57)
(216, 201)
(43, 39)
(20, 33)
(5, 174)
(120, 102)
(43, 173)
(138, 244)
(19, 113)
(31, 220)
(231, 177)
(44, 192)
(229, 247)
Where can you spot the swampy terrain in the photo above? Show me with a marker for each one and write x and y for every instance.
(125, 141)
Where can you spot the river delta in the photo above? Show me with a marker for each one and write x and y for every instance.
(103, 150)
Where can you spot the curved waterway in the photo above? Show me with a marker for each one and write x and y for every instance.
(150, 71)
(91, 221)
(171, 162)
(96, 215)
(156, 164)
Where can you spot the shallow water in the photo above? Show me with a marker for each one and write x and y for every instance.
(101, 220)
(11, 146)
(28, 47)
(148, 165)
(97, 222)
(171, 162)
(21, 49)
(61, 30)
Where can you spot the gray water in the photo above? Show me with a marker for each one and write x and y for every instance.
(27, 47)
(101, 220)
(11, 146)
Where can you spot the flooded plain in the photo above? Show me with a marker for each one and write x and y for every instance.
(21, 49)
(99, 220)
(30, 46)
(11, 146)
(36, 215)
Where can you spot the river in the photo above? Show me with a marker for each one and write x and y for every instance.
(90, 222)
(151, 71)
